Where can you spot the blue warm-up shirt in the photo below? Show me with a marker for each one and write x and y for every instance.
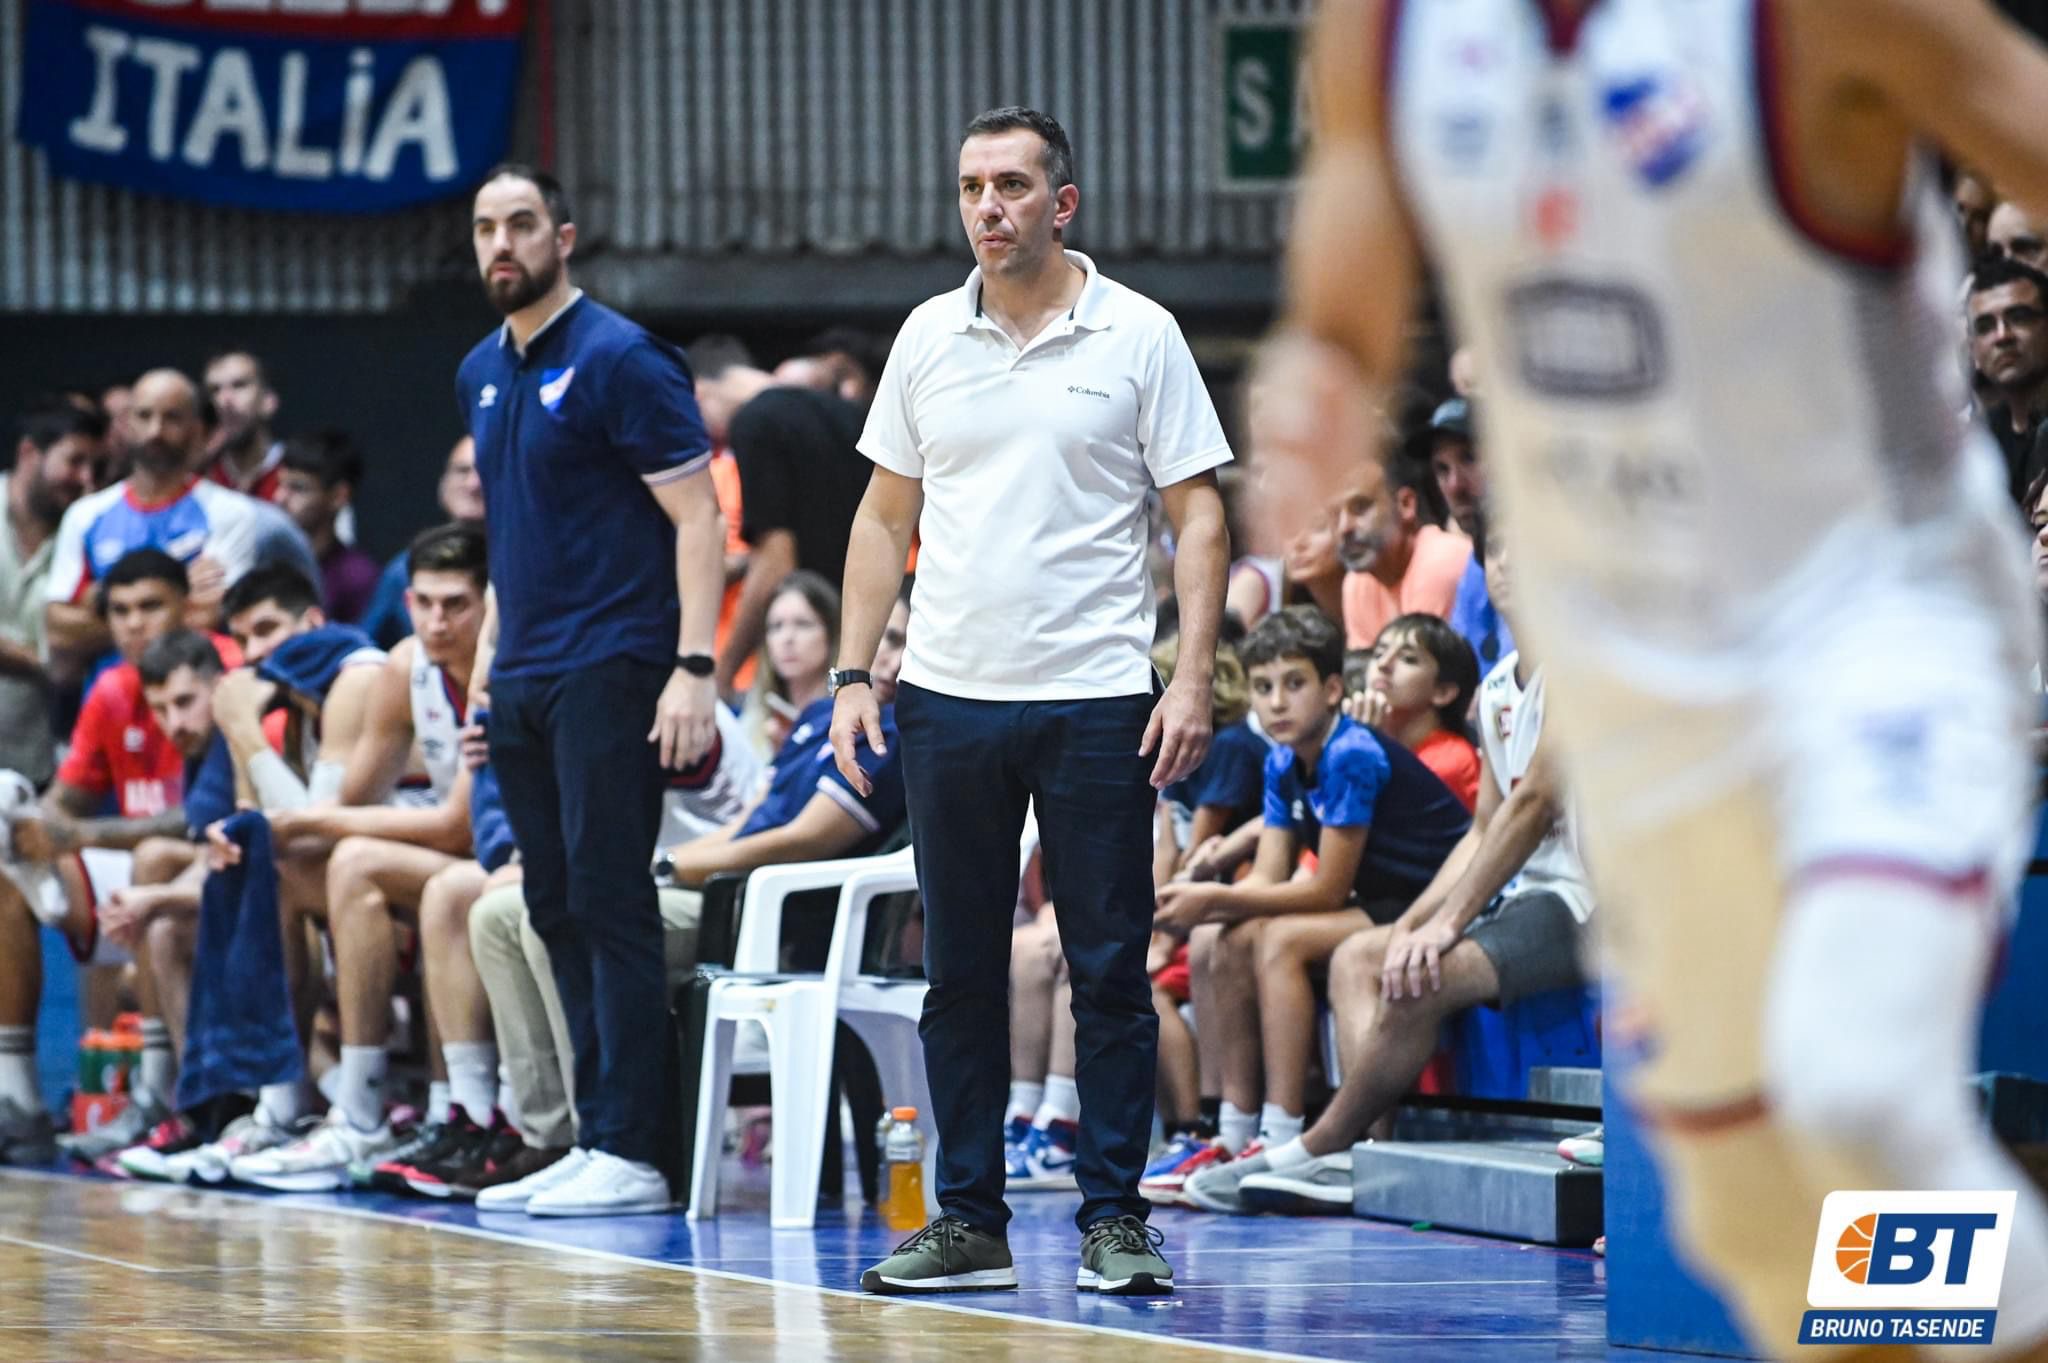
(803, 767)
(569, 438)
(1231, 776)
(1365, 780)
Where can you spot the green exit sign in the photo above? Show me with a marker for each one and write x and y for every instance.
(1265, 115)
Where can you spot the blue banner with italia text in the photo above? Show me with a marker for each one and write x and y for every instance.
(325, 106)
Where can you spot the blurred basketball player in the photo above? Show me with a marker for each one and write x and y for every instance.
(1699, 254)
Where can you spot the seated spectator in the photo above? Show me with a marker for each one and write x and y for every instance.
(1255, 587)
(461, 496)
(242, 452)
(1461, 478)
(1315, 575)
(809, 812)
(51, 468)
(1380, 824)
(119, 754)
(1505, 918)
(213, 531)
(317, 483)
(1418, 690)
(801, 480)
(2007, 311)
(802, 639)
(1397, 556)
(2015, 236)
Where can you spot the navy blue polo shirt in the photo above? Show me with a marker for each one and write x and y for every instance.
(804, 767)
(1364, 780)
(569, 438)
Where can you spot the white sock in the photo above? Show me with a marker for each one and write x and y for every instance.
(361, 1098)
(1024, 1100)
(508, 1097)
(159, 1075)
(1288, 1155)
(1236, 1128)
(18, 1067)
(279, 1105)
(1062, 1102)
(1276, 1127)
(438, 1101)
(472, 1077)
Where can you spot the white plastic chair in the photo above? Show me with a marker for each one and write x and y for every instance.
(793, 1011)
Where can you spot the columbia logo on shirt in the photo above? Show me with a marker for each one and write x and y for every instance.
(1082, 392)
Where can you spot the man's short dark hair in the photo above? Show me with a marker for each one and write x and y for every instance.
(868, 349)
(1417, 475)
(230, 352)
(1994, 272)
(451, 548)
(143, 565)
(278, 583)
(51, 418)
(179, 648)
(710, 355)
(1059, 153)
(1296, 632)
(552, 196)
(1456, 663)
(330, 456)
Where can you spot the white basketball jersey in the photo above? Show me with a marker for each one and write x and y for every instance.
(437, 722)
(1510, 722)
(1696, 415)
(712, 793)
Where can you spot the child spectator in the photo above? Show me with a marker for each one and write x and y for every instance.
(1418, 689)
(1380, 824)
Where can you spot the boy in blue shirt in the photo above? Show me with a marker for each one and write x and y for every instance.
(1379, 823)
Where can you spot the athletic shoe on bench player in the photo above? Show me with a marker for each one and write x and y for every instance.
(1297, 1183)
(605, 1186)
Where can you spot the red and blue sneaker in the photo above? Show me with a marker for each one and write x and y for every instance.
(1167, 1175)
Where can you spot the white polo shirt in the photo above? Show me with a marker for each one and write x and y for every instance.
(1036, 463)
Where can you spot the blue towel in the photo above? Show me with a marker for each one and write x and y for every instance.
(489, 830)
(209, 788)
(308, 663)
(239, 1033)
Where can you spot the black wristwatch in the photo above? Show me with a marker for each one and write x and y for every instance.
(697, 664)
(847, 676)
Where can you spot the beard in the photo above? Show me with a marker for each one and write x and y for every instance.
(156, 457)
(1358, 553)
(48, 502)
(510, 295)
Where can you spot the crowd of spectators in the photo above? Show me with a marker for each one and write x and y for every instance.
(188, 629)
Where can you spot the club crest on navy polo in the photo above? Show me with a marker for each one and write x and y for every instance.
(569, 437)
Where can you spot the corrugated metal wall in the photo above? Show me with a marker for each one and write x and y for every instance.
(70, 247)
(832, 125)
(707, 126)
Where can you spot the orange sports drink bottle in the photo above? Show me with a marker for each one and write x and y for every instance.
(903, 1203)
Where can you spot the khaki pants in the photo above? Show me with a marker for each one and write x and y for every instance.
(533, 1037)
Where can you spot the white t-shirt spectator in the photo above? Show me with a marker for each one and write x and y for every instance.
(1031, 582)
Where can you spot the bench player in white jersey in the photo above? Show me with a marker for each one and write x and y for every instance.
(1696, 250)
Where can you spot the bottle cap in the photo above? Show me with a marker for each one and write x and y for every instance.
(903, 1114)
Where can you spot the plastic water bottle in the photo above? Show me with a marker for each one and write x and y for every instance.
(903, 1203)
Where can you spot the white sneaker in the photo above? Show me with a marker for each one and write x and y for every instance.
(513, 1197)
(1322, 1187)
(318, 1162)
(1588, 1150)
(605, 1186)
(244, 1138)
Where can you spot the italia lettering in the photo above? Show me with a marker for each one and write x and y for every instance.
(431, 9)
(232, 121)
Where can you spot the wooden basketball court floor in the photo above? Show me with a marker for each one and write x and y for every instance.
(102, 1270)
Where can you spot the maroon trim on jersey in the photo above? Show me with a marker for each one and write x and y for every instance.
(1562, 28)
(1877, 253)
(461, 703)
(1706, 1121)
(1972, 885)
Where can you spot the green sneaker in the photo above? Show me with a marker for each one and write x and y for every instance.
(1120, 1256)
(947, 1256)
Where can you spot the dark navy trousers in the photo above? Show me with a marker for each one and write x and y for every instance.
(969, 769)
(583, 787)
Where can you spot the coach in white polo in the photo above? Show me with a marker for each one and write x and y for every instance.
(1020, 425)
